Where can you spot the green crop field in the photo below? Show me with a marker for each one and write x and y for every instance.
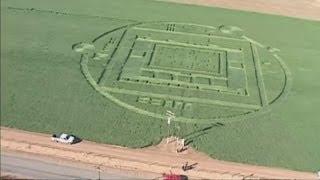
(243, 86)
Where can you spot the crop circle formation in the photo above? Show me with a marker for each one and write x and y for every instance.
(201, 73)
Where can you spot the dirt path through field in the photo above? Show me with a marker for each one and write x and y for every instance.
(156, 159)
(306, 9)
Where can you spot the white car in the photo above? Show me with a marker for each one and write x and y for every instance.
(63, 138)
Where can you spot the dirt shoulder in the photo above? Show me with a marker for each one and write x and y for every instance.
(305, 9)
(156, 159)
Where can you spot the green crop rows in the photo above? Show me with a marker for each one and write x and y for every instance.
(243, 85)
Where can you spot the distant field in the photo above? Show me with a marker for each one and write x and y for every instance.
(243, 86)
(305, 9)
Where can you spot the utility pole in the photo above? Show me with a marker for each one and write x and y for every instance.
(99, 171)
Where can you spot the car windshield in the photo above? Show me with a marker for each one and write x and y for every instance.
(63, 136)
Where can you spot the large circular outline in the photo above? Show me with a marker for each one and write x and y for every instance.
(286, 87)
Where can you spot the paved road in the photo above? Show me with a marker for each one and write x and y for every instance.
(30, 166)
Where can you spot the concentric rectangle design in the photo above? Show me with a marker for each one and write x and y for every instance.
(220, 71)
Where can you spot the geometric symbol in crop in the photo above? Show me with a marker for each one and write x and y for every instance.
(201, 73)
